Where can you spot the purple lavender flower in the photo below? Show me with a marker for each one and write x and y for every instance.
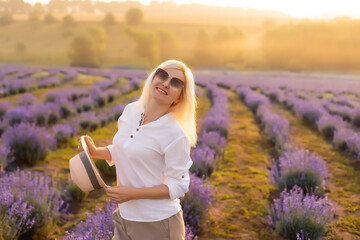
(31, 200)
(327, 125)
(27, 99)
(196, 203)
(4, 107)
(293, 212)
(189, 234)
(98, 225)
(63, 132)
(204, 159)
(356, 117)
(309, 111)
(4, 152)
(276, 127)
(299, 167)
(28, 143)
(340, 110)
(18, 219)
(348, 140)
(214, 140)
(48, 82)
(254, 100)
(17, 115)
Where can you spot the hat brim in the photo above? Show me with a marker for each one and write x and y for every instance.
(91, 167)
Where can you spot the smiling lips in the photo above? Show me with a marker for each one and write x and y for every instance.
(162, 91)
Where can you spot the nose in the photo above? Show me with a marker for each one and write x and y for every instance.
(166, 83)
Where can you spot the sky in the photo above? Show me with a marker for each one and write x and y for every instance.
(294, 8)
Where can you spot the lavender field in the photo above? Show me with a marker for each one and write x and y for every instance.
(278, 154)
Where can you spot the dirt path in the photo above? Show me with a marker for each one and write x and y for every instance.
(343, 184)
(240, 181)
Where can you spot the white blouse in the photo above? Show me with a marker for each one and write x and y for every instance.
(150, 155)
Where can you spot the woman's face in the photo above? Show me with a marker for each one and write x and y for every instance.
(167, 85)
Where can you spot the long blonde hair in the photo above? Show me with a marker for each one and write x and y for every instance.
(185, 110)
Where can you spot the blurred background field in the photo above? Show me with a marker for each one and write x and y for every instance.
(136, 35)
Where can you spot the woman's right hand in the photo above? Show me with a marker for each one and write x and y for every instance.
(90, 144)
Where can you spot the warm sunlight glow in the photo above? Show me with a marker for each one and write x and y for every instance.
(299, 9)
(302, 9)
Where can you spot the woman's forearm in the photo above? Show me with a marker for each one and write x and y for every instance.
(157, 192)
(101, 153)
(122, 194)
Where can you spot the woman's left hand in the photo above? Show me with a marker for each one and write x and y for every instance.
(120, 194)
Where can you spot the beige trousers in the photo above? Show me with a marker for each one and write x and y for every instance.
(171, 228)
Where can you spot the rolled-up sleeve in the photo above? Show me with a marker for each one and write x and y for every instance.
(177, 164)
(112, 153)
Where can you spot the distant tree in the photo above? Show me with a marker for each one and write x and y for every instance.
(16, 6)
(36, 12)
(5, 18)
(146, 45)
(230, 44)
(86, 48)
(168, 44)
(20, 47)
(68, 21)
(203, 52)
(268, 24)
(58, 6)
(134, 16)
(109, 19)
(49, 18)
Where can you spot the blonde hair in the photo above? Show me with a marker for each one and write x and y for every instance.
(185, 109)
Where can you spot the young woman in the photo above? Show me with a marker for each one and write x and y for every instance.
(151, 152)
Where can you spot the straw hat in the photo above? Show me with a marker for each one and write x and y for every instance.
(83, 171)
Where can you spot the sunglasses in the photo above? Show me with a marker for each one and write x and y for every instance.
(163, 76)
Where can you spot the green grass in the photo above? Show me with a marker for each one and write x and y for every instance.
(241, 182)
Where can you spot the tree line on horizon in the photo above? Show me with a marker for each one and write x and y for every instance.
(308, 44)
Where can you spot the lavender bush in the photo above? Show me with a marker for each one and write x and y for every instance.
(293, 213)
(63, 133)
(4, 152)
(309, 111)
(17, 115)
(301, 168)
(348, 141)
(4, 107)
(98, 225)
(28, 143)
(356, 118)
(327, 125)
(276, 127)
(214, 140)
(196, 203)
(204, 159)
(30, 202)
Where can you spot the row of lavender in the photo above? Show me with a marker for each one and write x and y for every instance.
(37, 127)
(35, 211)
(348, 108)
(205, 156)
(15, 80)
(20, 79)
(197, 201)
(315, 114)
(300, 212)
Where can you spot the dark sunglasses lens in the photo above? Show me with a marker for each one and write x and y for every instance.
(162, 74)
(176, 83)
